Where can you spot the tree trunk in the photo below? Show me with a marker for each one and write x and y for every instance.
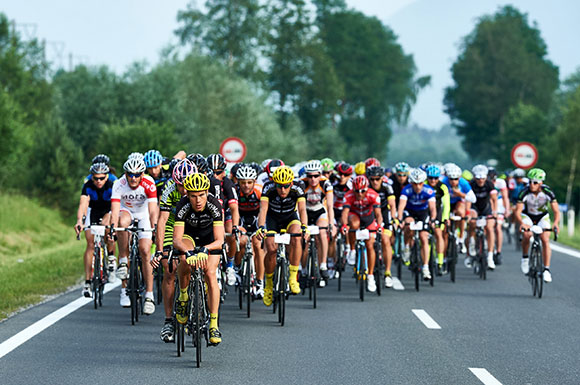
(571, 178)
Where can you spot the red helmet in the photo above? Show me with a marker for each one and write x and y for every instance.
(370, 162)
(360, 183)
(272, 166)
(344, 168)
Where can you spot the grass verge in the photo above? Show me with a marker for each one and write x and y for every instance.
(39, 254)
(570, 241)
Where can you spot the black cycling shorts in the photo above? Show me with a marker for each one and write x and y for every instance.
(418, 216)
(278, 223)
(313, 216)
(250, 223)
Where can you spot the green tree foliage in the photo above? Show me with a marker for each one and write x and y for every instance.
(502, 63)
(230, 30)
(13, 145)
(378, 78)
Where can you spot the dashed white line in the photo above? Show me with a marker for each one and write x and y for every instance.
(18, 339)
(485, 376)
(426, 319)
(564, 250)
(397, 285)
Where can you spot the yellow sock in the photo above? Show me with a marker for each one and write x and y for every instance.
(183, 294)
(293, 272)
(440, 258)
(270, 280)
(213, 320)
(387, 273)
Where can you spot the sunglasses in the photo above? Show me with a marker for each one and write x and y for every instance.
(131, 175)
(535, 182)
(99, 179)
(278, 185)
(218, 172)
(433, 178)
(341, 174)
(402, 175)
(361, 191)
(453, 178)
(313, 175)
(376, 179)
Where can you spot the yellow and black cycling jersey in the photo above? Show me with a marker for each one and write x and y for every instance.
(199, 224)
(278, 206)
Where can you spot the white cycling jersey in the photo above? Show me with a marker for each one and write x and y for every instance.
(135, 201)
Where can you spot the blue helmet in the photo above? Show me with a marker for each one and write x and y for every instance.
(153, 158)
(433, 171)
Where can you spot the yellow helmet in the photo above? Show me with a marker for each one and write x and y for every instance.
(360, 168)
(283, 175)
(196, 182)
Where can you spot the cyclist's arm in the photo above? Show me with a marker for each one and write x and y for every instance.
(153, 211)
(264, 203)
(329, 208)
(556, 210)
(518, 212)
(433, 208)
(344, 215)
(378, 215)
(506, 201)
(178, 230)
(161, 223)
(402, 205)
(493, 201)
(82, 211)
(235, 213)
(392, 206)
(446, 201)
(301, 202)
(219, 234)
(180, 155)
(115, 208)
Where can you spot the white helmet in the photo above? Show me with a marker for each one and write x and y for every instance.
(417, 175)
(313, 166)
(246, 172)
(134, 165)
(452, 171)
(136, 155)
(265, 163)
(479, 171)
(518, 173)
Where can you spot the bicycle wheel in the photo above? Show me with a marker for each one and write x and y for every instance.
(240, 286)
(361, 272)
(197, 319)
(340, 262)
(159, 283)
(452, 258)
(483, 258)
(379, 270)
(282, 295)
(314, 274)
(132, 289)
(416, 264)
(247, 284)
(540, 274)
(432, 263)
(96, 274)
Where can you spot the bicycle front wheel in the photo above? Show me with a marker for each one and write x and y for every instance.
(282, 296)
(96, 274)
(132, 289)
(197, 320)
(246, 286)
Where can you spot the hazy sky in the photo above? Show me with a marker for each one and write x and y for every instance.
(118, 32)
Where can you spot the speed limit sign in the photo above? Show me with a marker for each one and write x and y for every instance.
(233, 150)
(524, 155)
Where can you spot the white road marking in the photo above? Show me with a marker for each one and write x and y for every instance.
(18, 339)
(564, 250)
(426, 319)
(397, 284)
(485, 376)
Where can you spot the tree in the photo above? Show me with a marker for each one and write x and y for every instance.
(502, 62)
(230, 31)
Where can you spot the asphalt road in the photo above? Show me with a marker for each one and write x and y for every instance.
(494, 325)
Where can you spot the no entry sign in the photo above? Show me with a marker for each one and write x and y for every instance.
(233, 149)
(524, 155)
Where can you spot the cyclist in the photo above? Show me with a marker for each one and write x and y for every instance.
(95, 206)
(484, 206)
(319, 209)
(518, 184)
(443, 205)
(172, 194)
(229, 201)
(340, 187)
(268, 169)
(199, 229)
(282, 206)
(503, 209)
(134, 197)
(375, 175)
(461, 197)
(249, 205)
(362, 210)
(102, 158)
(360, 168)
(532, 208)
(417, 203)
(401, 179)
(372, 162)
(328, 169)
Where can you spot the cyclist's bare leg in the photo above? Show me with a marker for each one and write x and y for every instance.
(145, 251)
(387, 249)
(239, 254)
(295, 245)
(371, 253)
(499, 233)
(183, 269)
(490, 231)
(258, 258)
(123, 239)
(546, 248)
(213, 290)
(88, 257)
(322, 241)
(106, 221)
(408, 236)
(424, 237)
(270, 258)
(526, 241)
(168, 287)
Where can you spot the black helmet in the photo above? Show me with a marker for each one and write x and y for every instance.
(101, 158)
(375, 171)
(200, 162)
(216, 162)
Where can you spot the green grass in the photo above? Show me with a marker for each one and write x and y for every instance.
(39, 254)
(570, 241)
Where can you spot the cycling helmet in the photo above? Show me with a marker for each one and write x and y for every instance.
(265, 163)
(246, 172)
(518, 173)
(467, 175)
(327, 164)
(453, 171)
(433, 171)
(256, 167)
(99, 168)
(196, 182)
(172, 163)
(344, 168)
(152, 158)
(416, 175)
(360, 183)
(101, 158)
(272, 166)
(283, 175)
(479, 171)
(183, 169)
(234, 169)
(200, 162)
(402, 168)
(375, 171)
(537, 174)
(134, 165)
(491, 173)
(360, 168)
(216, 162)
(372, 162)
(136, 155)
(313, 166)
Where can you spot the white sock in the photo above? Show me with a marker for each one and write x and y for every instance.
(123, 260)
(323, 266)
(149, 295)
(490, 254)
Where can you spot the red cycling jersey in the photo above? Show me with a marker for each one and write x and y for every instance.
(366, 206)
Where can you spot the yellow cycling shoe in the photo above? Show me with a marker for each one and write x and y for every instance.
(181, 312)
(294, 286)
(215, 337)
(268, 296)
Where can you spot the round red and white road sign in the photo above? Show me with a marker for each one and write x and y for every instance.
(233, 149)
(524, 155)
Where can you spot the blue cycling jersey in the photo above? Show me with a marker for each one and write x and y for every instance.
(464, 187)
(418, 201)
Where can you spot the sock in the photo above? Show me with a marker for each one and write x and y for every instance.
(230, 262)
(112, 256)
(440, 258)
(425, 267)
(213, 320)
(524, 256)
(547, 268)
(183, 294)
(490, 254)
(124, 260)
(323, 266)
(293, 272)
(387, 273)
(168, 320)
(270, 280)
(259, 282)
(149, 295)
